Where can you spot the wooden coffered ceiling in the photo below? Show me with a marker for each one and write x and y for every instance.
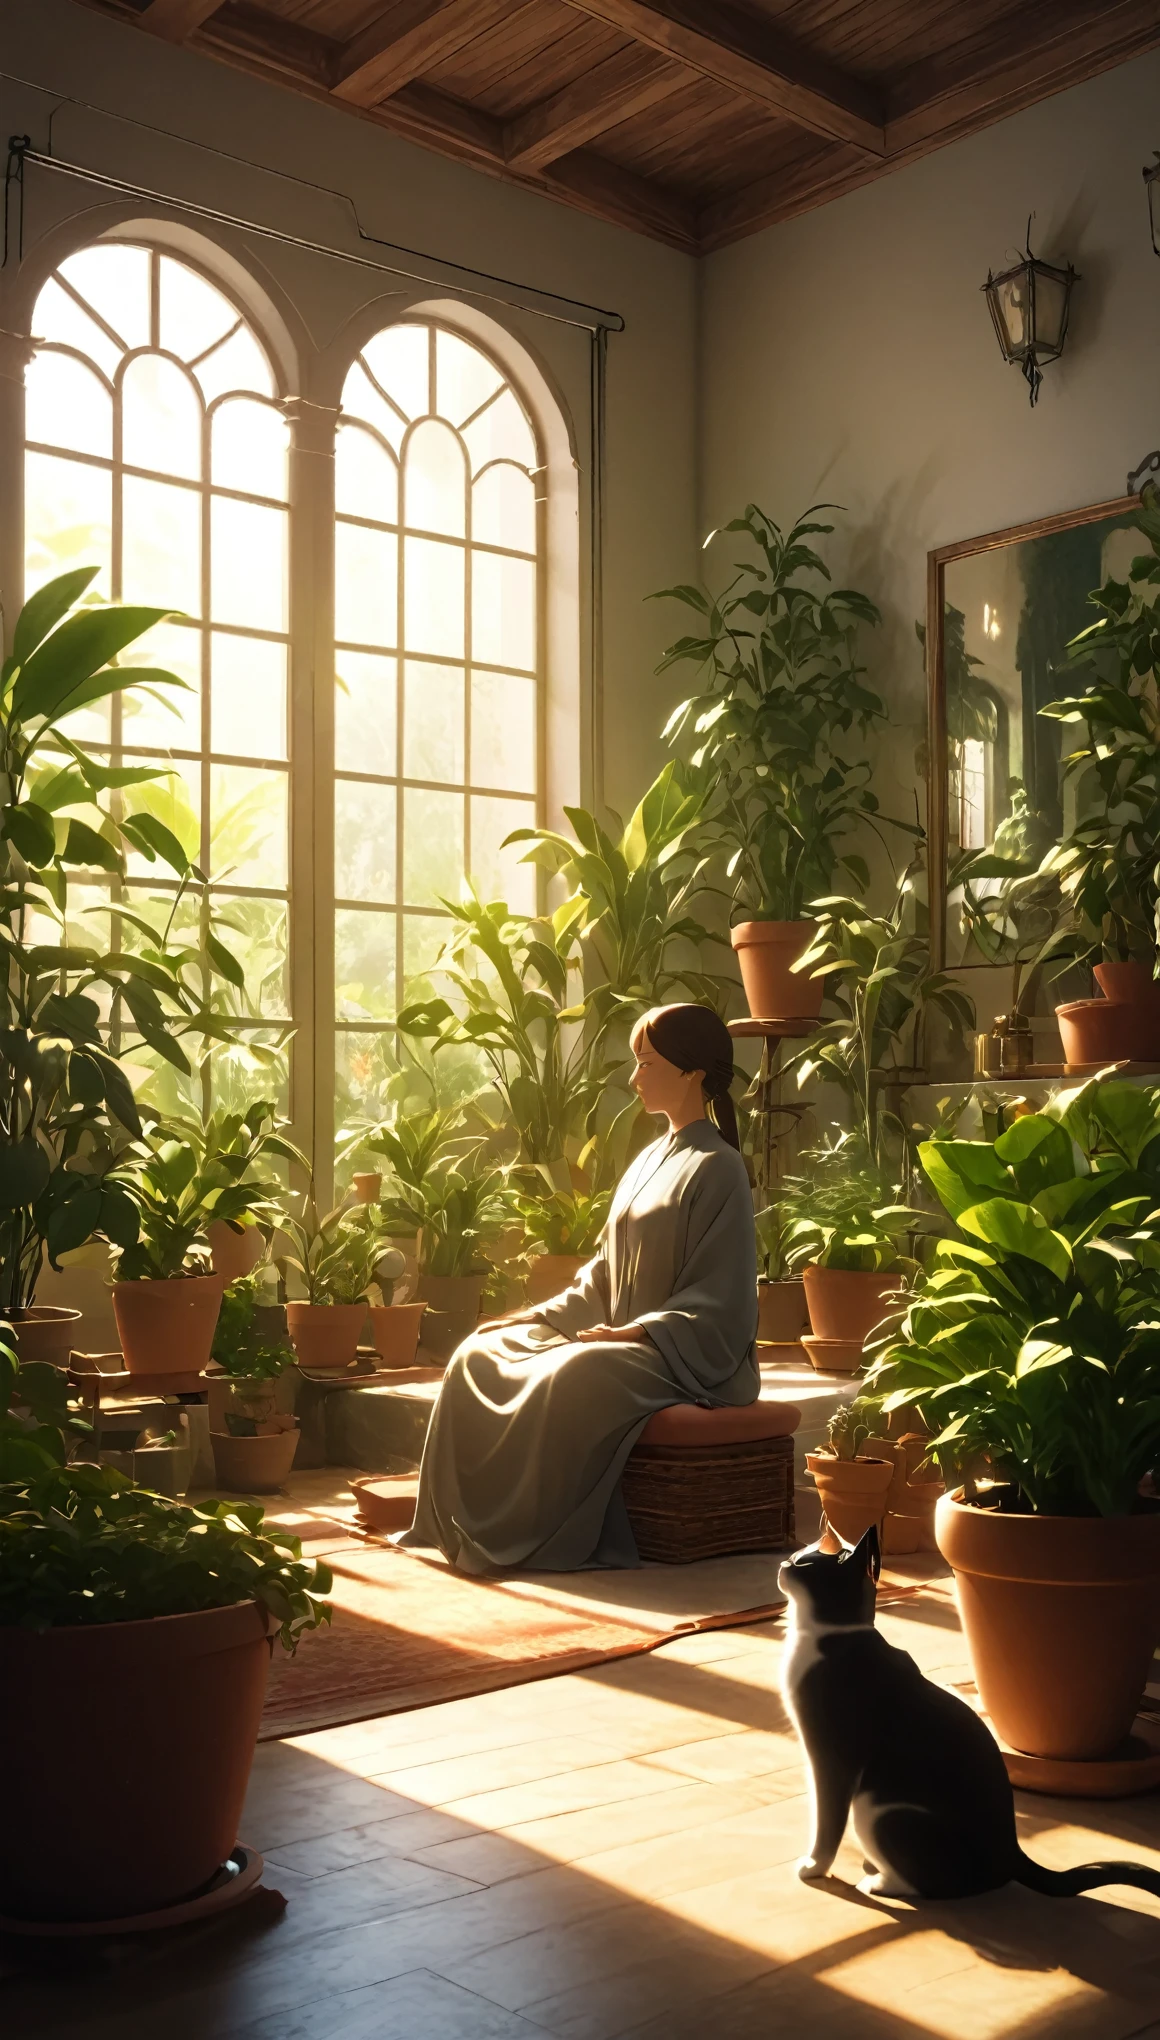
(694, 121)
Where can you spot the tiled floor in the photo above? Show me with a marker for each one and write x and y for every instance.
(611, 1854)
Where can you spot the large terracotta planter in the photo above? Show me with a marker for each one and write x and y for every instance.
(325, 1334)
(765, 952)
(1062, 1615)
(44, 1332)
(846, 1304)
(234, 1254)
(852, 1491)
(395, 1331)
(254, 1466)
(781, 1312)
(1123, 1026)
(548, 1274)
(167, 1327)
(368, 1186)
(159, 1719)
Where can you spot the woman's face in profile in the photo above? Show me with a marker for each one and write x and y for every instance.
(660, 1085)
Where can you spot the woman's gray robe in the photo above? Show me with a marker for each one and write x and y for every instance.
(529, 1436)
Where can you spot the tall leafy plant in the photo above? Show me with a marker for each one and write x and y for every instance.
(776, 720)
(66, 1106)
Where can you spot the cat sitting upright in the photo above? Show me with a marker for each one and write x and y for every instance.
(932, 1804)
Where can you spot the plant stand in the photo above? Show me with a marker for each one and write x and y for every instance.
(771, 1105)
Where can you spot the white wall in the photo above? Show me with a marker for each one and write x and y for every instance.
(848, 355)
(411, 197)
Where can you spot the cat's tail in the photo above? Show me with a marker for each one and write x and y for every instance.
(1085, 1877)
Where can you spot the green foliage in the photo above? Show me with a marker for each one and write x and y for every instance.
(564, 1221)
(241, 1345)
(849, 1428)
(1034, 1343)
(181, 1176)
(337, 1256)
(66, 1107)
(782, 694)
(844, 1213)
(460, 1213)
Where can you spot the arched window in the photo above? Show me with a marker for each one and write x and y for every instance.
(438, 710)
(157, 448)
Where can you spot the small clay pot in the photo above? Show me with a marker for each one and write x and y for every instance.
(395, 1331)
(44, 1332)
(254, 1466)
(325, 1335)
(548, 1274)
(368, 1186)
(765, 952)
(168, 1327)
(234, 1254)
(852, 1491)
(845, 1303)
(781, 1312)
(1062, 1615)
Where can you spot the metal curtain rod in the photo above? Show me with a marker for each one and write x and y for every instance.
(524, 297)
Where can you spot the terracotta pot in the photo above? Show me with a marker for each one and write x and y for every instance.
(395, 1331)
(852, 1491)
(781, 1312)
(461, 1294)
(253, 1466)
(325, 1334)
(548, 1274)
(368, 1186)
(44, 1332)
(1123, 1026)
(1062, 1615)
(237, 1392)
(167, 1327)
(846, 1304)
(164, 1741)
(832, 1356)
(234, 1254)
(1130, 984)
(765, 952)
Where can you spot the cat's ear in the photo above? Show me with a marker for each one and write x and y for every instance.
(868, 1551)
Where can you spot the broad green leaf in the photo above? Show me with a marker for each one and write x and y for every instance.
(30, 829)
(959, 1170)
(75, 652)
(44, 610)
(24, 1171)
(1018, 1229)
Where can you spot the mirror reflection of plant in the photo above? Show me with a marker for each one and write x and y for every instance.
(66, 1107)
(1034, 1343)
(844, 1212)
(783, 694)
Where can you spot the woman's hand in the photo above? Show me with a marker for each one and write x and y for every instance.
(628, 1334)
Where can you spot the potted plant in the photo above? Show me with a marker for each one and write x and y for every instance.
(162, 1615)
(254, 1440)
(459, 1211)
(394, 1327)
(166, 1297)
(1032, 1355)
(69, 1110)
(241, 1142)
(781, 1296)
(846, 1237)
(335, 1259)
(566, 1226)
(783, 695)
(852, 1484)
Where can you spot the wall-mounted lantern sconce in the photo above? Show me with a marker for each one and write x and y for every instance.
(1151, 175)
(1029, 307)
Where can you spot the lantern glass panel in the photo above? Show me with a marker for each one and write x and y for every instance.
(1050, 311)
(1010, 298)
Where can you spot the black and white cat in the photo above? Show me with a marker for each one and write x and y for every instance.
(932, 1804)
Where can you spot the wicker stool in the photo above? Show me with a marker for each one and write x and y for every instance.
(704, 1483)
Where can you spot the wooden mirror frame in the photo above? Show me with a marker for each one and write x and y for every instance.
(936, 699)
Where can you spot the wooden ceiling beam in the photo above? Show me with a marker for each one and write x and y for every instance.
(623, 85)
(176, 19)
(410, 38)
(748, 56)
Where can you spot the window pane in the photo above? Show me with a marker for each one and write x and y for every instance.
(58, 316)
(239, 364)
(503, 508)
(161, 560)
(364, 713)
(503, 731)
(68, 519)
(238, 1079)
(193, 313)
(67, 405)
(500, 433)
(503, 610)
(114, 280)
(175, 799)
(464, 378)
(432, 847)
(498, 874)
(256, 932)
(423, 938)
(366, 479)
(435, 480)
(249, 823)
(360, 399)
(363, 1067)
(248, 564)
(249, 441)
(160, 418)
(365, 585)
(248, 702)
(364, 841)
(433, 722)
(397, 358)
(364, 965)
(165, 718)
(433, 594)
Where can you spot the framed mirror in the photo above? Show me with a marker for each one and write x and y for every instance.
(1001, 611)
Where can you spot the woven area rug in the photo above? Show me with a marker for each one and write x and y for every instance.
(410, 1632)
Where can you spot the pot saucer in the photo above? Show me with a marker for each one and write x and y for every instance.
(1133, 1768)
(386, 1502)
(234, 1882)
(780, 1352)
(833, 1356)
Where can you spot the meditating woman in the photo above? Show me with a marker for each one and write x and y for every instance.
(537, 1413)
